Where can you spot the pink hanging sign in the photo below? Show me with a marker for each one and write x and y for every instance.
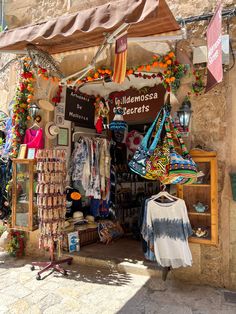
(214, 47)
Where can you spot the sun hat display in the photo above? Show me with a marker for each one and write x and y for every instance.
(78, 218)
(51, 130)
(68, 226)
(78, 215)
(92, 225)
(90, 219)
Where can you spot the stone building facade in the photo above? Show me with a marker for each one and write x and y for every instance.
(213, 125)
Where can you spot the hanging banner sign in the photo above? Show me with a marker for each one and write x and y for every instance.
(214, 46)
(80, 108)
(140, 106)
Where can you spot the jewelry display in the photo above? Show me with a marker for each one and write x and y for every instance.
(51, 203)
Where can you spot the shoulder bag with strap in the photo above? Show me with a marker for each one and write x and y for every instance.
(139, 161)
(182, 168)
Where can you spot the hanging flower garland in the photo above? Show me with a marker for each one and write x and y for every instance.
(57, 98)
(197, 85)
(170, 71)
(23, 98)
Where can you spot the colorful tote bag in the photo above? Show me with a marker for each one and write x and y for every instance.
(182, 168)
(158, 163)
(144, 153)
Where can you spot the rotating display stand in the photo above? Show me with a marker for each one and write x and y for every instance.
(51, 202)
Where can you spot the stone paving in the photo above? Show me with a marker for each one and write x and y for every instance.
(89, 290)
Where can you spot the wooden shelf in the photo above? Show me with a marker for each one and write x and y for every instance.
(205, 193)
(199, 214)
(200, 240)
(198, 185)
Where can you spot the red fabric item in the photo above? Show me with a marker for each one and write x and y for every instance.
(34, 138)
(98, 125)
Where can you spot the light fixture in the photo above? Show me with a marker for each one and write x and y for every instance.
(33, 110)
(184, 114)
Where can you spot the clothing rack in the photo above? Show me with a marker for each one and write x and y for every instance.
(87, 134)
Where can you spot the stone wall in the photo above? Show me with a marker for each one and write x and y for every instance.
(213, 125)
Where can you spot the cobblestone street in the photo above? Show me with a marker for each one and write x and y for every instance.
(89, 290)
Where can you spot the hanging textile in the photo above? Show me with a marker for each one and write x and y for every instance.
(120, 61)
(34, 138)
(166, 229)
(90, 171)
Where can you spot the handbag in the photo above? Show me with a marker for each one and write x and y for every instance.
(158, 163)
(143, 154)
(182, 169)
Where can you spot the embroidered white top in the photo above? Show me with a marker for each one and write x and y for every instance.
(166, 227)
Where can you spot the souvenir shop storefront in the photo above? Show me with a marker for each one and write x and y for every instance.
(104, 168)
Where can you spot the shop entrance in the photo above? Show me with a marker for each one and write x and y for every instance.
(124, 210)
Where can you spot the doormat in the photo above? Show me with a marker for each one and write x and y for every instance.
(230, 297)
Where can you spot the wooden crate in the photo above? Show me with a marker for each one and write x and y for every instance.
(88, 236)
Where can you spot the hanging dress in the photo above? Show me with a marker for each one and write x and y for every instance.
(34, 138)
(166, 229)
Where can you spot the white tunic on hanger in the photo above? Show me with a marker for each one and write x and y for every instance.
(167, 228)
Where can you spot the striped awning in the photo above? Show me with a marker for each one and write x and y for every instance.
(86, 28)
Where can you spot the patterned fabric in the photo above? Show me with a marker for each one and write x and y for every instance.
(182, 169)
(159, 162)
(120, 61)
(143, 155)
(166, 228)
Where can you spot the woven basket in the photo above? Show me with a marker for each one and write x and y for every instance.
(88, 236)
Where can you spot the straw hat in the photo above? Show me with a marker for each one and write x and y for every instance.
(92, 225)
(51, 130)
(90, 219)
(78, 215)
(46, 105)
(68, 227)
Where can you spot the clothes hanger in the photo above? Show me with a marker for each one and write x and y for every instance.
(165, 194)
(35, 125)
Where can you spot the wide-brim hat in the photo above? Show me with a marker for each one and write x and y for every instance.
(46, 105)
(51, 130)
(90, 219)
(92, 225)
(78, 215)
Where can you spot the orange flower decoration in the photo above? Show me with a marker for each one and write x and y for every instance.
(155, 64)
(171, 54)
(148, 67)
(168, 62)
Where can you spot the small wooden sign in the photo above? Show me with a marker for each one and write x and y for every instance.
(80, 108)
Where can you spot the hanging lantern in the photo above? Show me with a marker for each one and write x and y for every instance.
(184, 114)
(33, 110)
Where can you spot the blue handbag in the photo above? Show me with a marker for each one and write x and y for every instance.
(138, 162)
